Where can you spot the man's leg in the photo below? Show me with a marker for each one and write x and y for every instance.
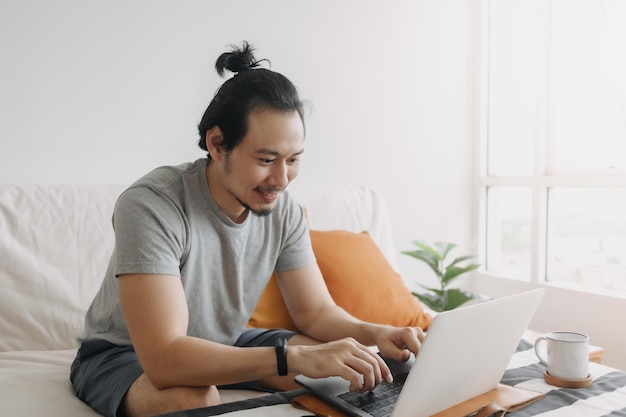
(110, 379)
(143, 399)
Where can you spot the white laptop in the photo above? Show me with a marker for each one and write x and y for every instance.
(464, 354)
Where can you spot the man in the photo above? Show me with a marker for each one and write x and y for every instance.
(195, 247)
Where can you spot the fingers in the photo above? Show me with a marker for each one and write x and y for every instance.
(398, 343)
(365, 369)
(347, 358)
(384, 369)
(414, 343)
(375, 371)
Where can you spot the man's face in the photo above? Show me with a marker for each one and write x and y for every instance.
(264, 163)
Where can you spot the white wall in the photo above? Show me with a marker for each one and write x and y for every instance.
(102, 92)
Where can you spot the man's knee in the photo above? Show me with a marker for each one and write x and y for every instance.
(143, 399)
(196, 397)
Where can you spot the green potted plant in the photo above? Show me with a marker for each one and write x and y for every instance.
(442, 298)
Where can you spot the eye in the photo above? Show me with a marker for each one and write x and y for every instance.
(265, 161)
(292, 161)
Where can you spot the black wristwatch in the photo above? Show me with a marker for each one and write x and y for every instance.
(281, 356)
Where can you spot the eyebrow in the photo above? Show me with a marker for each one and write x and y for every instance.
(267, 151)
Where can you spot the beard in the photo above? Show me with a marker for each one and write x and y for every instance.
(259, 213)
(256, 212)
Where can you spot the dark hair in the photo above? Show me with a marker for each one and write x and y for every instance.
(251, 88)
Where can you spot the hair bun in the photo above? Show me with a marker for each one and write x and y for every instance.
(237, 60)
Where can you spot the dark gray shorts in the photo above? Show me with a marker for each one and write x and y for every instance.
(103, 372)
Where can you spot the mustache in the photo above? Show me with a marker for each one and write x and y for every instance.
(269, 189)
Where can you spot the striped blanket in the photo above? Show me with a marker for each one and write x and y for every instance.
(606, 397)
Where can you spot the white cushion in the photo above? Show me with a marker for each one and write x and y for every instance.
(352, 208)
(36, 383)
(55, 242)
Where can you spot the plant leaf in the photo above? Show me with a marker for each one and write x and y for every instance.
(437, 291)
(444, 248)
(461, 259)
(433, 302)
(427, 258)
(427, 248)
(455, 297)
(454, 271)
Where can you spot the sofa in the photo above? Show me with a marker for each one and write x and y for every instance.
(55, 242)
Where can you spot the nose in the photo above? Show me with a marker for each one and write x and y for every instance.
(279, 177)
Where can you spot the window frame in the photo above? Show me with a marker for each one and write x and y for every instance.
(540, 182)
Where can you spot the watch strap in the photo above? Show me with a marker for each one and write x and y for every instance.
(281, 356)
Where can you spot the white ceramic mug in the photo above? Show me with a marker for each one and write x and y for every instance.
(568, 354)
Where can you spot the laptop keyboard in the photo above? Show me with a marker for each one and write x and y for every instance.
(380, 401)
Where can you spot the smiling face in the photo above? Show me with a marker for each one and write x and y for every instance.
(252, 176)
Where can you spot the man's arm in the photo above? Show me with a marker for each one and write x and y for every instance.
(313, 310)
(156, 313)
(316, 315)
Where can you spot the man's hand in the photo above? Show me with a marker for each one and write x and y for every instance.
(398, 342)
(347, 358)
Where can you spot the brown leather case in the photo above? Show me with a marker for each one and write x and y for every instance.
(317, 406)
(498, 401)
(502, 399)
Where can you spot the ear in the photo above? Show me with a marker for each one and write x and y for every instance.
(214, 140)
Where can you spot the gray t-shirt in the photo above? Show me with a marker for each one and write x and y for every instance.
(169, 223)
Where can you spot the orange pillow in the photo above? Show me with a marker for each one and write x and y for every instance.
(358, 277)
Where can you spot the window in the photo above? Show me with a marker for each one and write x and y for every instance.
(553, 142)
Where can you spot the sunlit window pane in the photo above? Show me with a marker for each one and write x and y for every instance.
(509, 231)
(587, 89)
(587, 237)
(512, 87)
(556, 116)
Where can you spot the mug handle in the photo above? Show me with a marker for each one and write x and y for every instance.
(542, 359)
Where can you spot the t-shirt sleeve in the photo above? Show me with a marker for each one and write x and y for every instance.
(296, 250)
(149, 233)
